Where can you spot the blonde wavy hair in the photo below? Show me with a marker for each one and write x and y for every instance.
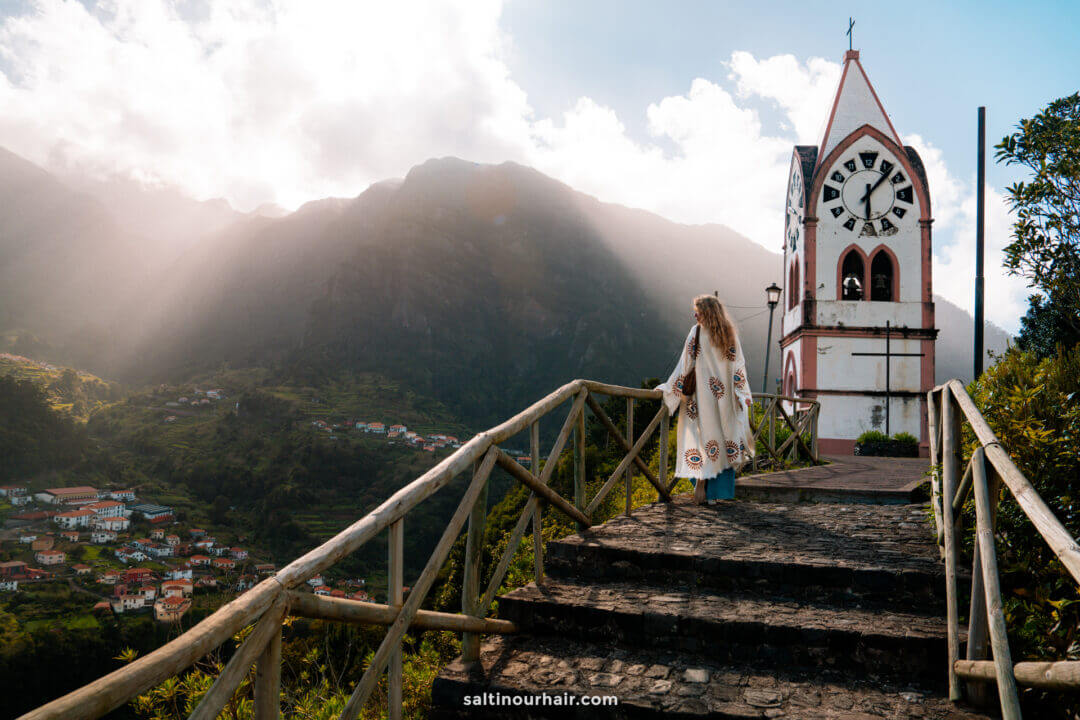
(713, 317)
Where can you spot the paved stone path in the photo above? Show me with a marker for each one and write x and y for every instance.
(829, 610)
(845, 479)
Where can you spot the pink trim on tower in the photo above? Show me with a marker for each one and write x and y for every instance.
(790, 371)
(840, 272)
(895, 289)
(809, 287)
(851, 56)
(891, 146)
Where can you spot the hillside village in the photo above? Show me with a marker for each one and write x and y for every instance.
(126, 553)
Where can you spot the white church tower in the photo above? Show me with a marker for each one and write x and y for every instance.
(857, 273)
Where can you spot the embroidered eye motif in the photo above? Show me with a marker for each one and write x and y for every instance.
(691, 410)
(712, 449)
(693, 458)
(732, 449)
(694, 347)
(678, 384)
(742, 450)
(740, 378)
(729, 354)
(717, 387)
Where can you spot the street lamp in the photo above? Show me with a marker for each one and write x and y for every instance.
(772, 295)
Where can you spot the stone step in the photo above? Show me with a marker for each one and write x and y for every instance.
(853, 553)
(845, 480)
(772, 632)
(650, 683)
(764, 490)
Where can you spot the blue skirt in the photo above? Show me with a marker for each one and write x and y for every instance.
(721, 487)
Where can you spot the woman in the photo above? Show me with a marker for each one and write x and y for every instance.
(714, 437)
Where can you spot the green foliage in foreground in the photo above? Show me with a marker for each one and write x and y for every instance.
(1033, 406)
(876, 436)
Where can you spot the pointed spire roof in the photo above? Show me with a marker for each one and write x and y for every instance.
(856, 104)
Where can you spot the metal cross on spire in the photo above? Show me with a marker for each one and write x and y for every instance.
(850, 27)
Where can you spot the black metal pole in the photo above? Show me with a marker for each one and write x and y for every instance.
(768, 346)
(980, 229)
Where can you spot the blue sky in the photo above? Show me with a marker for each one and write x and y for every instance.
(686, 109)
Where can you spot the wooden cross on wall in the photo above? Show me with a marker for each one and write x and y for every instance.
(888, 355)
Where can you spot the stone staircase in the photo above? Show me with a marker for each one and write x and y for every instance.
(748, 610)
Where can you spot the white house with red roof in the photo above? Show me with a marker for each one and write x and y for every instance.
(238, 553)
(74, 518)
(106, 508)
(198, 560)
(50, 557)
(101, 537)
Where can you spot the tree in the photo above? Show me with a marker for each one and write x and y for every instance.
(1046, 327)
(1046, 236)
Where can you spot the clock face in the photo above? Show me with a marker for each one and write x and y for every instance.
(793, 220)
(868, 193)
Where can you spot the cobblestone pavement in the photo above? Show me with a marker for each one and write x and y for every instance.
(878, 537)
(666, 683)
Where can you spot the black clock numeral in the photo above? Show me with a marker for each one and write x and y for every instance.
(886, 167)
(850, 224)
(897, 178)
(850, 165)
(836, 177)
(899, 212)
(886, 225)
(837, 211)
(905, 194)
(869, 159)
(831, 193)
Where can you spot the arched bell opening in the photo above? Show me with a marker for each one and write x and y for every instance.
(882, 277)
(852, 276)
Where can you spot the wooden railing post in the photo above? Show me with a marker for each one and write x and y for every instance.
(630, 441)
(771, 410)
(470, 585)
(579, 464)
(661, 470)
(395, 598)
(537, 520)
(268, 678)
(995, 615)
(950, 470)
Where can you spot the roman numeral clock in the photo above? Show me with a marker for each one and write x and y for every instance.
(857, 259)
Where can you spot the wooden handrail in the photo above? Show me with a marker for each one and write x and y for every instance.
(989, 467)
(268, 602)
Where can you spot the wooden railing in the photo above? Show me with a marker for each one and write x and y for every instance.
(989, 467)
(801, 421)
(268, 603)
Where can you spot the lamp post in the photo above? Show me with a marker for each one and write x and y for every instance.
(772, 294)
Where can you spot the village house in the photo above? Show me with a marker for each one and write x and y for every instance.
(178, 573)
(27, 539)
(176, 588)
(361, 426)
(128, 602)
(126, 555)
(360, 596)
(322, 590)
(138, 575)
(36, 574)
(219, 550)
(142, 543)
(157, 534)
(74, 518)
(103, 607)
(197, 560)
(245, 582)
(116, 524)
(171, 609)
(377, 428)
(67, 496)
(204, 543)
(337, 594)
(121, 495)
(45, 542)
(238, 553)
(81, 569)
(100, 537)
(160, 551)
(148, 591)
(10, 491)
(172, 540)
(196, 532)
(223, 563)
(206, 582)
(50, 557)
(265, 568)
(14, 568)
(12, 585)
(109, 577)
(18, 500)
(70, 536)
(316, 581)
(106, 508)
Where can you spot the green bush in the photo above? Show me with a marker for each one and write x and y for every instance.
(872, 436)
(1033, 406)
(906, 438)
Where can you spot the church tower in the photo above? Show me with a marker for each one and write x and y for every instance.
(858, 325)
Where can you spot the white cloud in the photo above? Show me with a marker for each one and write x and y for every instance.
(290, 100)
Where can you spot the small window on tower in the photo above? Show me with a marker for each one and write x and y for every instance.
(851, 273)
(881, 278)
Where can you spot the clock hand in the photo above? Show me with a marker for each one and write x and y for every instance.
(870, 190)
(866, 199)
